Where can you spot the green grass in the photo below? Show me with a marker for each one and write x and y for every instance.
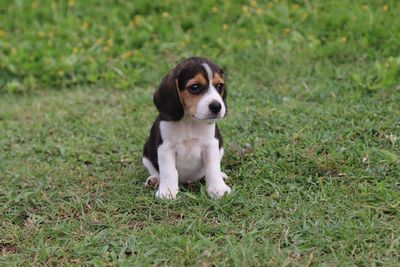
(312, 136)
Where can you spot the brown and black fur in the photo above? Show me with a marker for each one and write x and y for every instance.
(169, 106)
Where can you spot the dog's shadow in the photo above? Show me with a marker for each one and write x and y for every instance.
(192, 187)
(185, 187)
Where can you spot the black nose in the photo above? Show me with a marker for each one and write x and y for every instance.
(214, 107)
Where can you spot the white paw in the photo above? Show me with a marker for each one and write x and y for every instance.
(218, 190)
(224, 176)
(152, 181)
(167, 193)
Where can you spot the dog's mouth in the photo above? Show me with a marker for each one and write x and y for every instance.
(209, 119)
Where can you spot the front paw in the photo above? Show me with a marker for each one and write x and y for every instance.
(167, 193)
(218, 190)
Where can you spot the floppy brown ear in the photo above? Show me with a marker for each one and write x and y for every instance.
(167, 100)
(225, 92)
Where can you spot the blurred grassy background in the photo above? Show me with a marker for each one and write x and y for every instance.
(311, 139)
(123, 44)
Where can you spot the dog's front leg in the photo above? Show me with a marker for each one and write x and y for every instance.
(216, 186)
(168, 187)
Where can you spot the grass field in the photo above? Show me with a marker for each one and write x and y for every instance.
(311, 140)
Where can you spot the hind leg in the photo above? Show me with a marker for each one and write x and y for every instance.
(154, 179)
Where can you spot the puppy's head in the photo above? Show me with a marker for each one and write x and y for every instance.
(195, 86)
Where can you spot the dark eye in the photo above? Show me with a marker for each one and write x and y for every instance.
(195, 89)
(219, 87)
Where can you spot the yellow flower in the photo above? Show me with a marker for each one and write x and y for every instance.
(137, 19)
(40, 34)
(110, 42)
(165, 15)
(225, 27)
(343, 39)
(85, 25)
(364, 7)
(295, 6)
(245, 10)
(214, 9)
(183, 44)
(75, 50)
(34, 4)
(286, 31)
(71, 3)
(2, 33)
(258, 11)
(253, 3)
(13, 50)
(270, 5)
(304, 16)
(385, 8)
(127, 54)
(106, 49)
(61, 73)
(99, 41)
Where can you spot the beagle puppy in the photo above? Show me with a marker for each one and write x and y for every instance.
(185, 143)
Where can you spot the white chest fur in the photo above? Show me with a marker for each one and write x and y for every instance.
(187, 138)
